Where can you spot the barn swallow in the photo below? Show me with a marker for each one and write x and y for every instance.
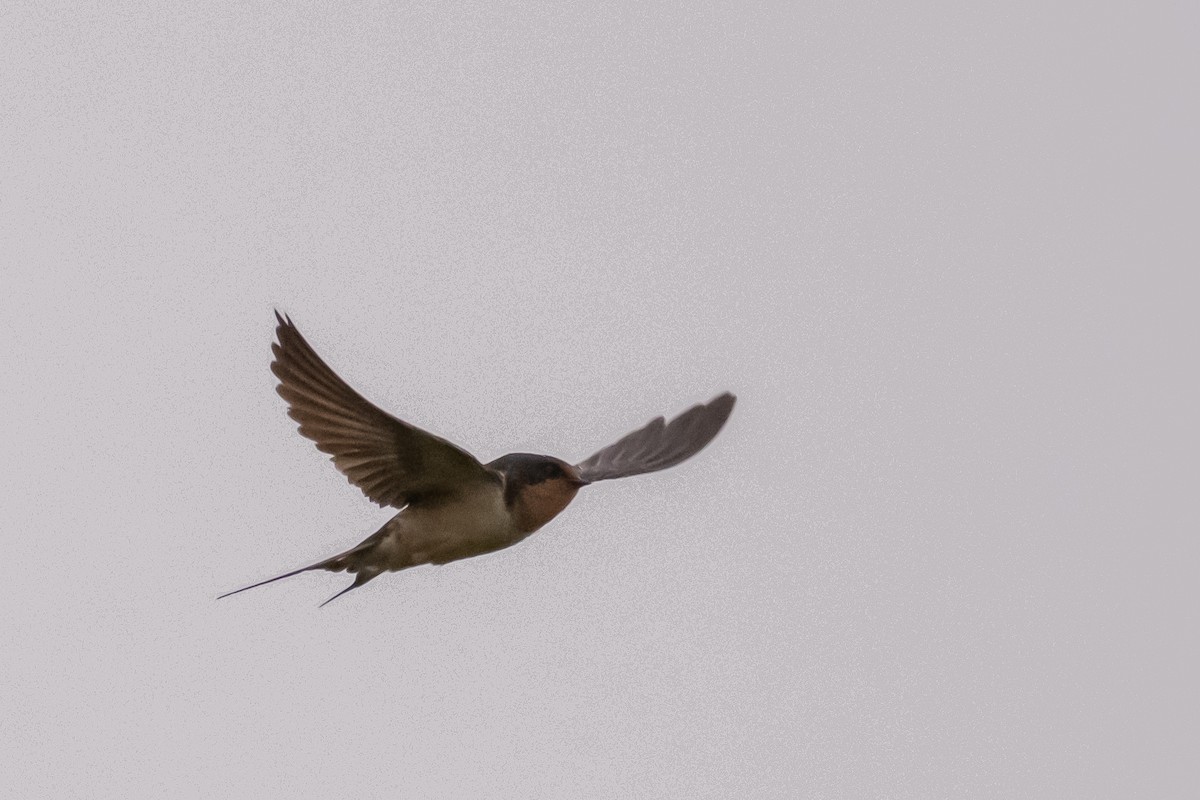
(451, 505)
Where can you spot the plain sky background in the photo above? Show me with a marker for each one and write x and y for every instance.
(944, 253)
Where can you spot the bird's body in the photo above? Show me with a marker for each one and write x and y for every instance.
(472, 523)
(475, 521)
(451, 505)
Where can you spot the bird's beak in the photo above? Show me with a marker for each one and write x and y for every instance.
(579, 482)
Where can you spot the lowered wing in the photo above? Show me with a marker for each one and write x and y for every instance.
(660, 444)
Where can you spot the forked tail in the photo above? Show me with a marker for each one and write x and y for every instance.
(272, 580)
(339, 563)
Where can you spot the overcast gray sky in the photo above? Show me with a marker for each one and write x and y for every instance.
(945, 548)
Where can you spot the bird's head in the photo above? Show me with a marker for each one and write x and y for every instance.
(537, 487)
(527, 469)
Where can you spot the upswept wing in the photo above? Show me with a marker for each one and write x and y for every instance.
(392, 462)
(660, 444)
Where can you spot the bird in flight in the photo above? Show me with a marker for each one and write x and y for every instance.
(451, 505)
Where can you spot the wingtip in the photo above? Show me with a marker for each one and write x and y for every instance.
(721, 409)
(724, 402)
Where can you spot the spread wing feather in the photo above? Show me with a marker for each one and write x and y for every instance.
(660, 444)
(392, 462)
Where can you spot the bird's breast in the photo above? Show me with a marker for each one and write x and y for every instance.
(536, 504)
